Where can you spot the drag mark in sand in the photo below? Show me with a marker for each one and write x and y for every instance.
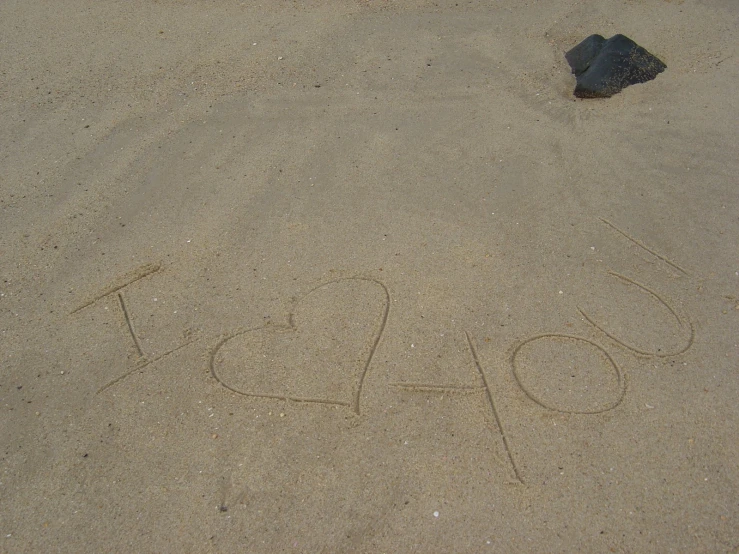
(444, 389)
(217, 377)
(378, 336)
(682, 322)
(640, 244)
(130, 325)
(226, 496)
(355, 404)
(143, 365)
(494, 410)
(129, 278)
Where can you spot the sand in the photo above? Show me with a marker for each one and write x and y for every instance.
(363, 276)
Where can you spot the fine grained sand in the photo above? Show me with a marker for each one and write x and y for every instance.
(362, 276)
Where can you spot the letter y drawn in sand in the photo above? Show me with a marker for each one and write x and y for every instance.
(683, 322)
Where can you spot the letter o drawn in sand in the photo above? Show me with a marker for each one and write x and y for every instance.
(568, 374)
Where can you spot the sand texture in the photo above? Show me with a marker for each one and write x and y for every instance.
(364, 276)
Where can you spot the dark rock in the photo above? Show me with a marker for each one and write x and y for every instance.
(605, 67)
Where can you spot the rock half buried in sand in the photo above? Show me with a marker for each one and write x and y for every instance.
(605, 67)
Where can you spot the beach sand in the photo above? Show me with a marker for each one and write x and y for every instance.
(364, 276)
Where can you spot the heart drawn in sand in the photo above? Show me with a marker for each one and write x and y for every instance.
(323, 353)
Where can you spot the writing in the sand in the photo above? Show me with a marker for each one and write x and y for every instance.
(262, 362)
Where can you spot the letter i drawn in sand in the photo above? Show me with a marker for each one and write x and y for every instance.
(143, 361)
(117, 288)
